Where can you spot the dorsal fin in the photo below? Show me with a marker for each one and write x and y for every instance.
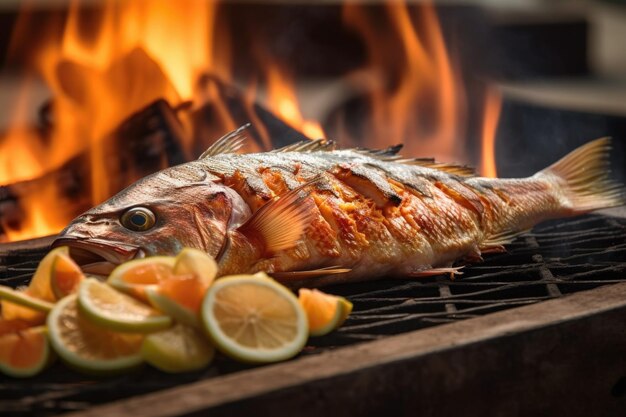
(229, 143)
(461, 170)
(387, 154)
(308, 146)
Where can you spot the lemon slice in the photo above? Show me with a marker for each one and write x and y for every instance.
(254, 319)
(178, 349)
(109, 308)
(135, 276)
(22, 298)
(325, 312)
(88, 347)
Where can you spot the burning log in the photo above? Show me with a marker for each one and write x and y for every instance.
(228, 109)
(147, 141)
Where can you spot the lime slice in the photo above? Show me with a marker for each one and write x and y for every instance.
(39, 288)
(24, 352)
(325, 312)
(87, 347)
(135, 276)
(254, 319)
(178, 349)
(111, 309)
(22, 298)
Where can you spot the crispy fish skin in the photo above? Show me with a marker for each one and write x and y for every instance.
(310, 215)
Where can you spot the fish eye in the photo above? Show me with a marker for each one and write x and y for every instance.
(138, 219)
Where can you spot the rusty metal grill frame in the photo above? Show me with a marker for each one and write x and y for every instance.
(556, 259)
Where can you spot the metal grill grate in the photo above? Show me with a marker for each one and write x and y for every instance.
(557, 258)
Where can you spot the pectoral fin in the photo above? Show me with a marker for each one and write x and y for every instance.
(453, 271)
(280, 224)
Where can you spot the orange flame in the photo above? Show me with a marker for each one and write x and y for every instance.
(424, 107)
(98, 74)
(282, 100)
(493, 105)
(100, 69)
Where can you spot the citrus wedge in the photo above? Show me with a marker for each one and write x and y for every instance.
(39, 287)
(325, 312)
(65, 276)
(195, 262)
(181, 294)
(21, 298)
(24, 352)
(135, 276)
(172, 307)
(88, 347)
(254, 319)
(178, 349)
(107, 307)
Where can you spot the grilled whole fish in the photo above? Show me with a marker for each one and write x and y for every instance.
(311, 215)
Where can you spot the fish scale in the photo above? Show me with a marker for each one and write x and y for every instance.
(311, 215)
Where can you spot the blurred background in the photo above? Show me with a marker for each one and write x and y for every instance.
(96, 94)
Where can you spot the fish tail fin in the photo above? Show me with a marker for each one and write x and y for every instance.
(584, 176)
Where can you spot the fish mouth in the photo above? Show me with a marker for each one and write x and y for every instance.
(98, 257)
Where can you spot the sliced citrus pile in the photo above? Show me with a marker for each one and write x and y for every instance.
(107, 307)
(325, 312)
(253, 318)
(88, 347)
(167, 311)
(178, 349)
(24, 350)
(135, 276)
(180, 295)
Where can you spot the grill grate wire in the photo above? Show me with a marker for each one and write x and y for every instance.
(555, 259)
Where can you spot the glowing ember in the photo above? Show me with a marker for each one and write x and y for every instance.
(493, 105)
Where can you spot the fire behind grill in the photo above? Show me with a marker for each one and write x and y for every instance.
(556, 259)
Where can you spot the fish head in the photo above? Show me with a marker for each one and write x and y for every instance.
(158, 215)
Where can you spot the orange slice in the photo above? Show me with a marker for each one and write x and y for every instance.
(135, 276)
(24, 352)
(181, 294)
(65, 276)
(325, 312)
